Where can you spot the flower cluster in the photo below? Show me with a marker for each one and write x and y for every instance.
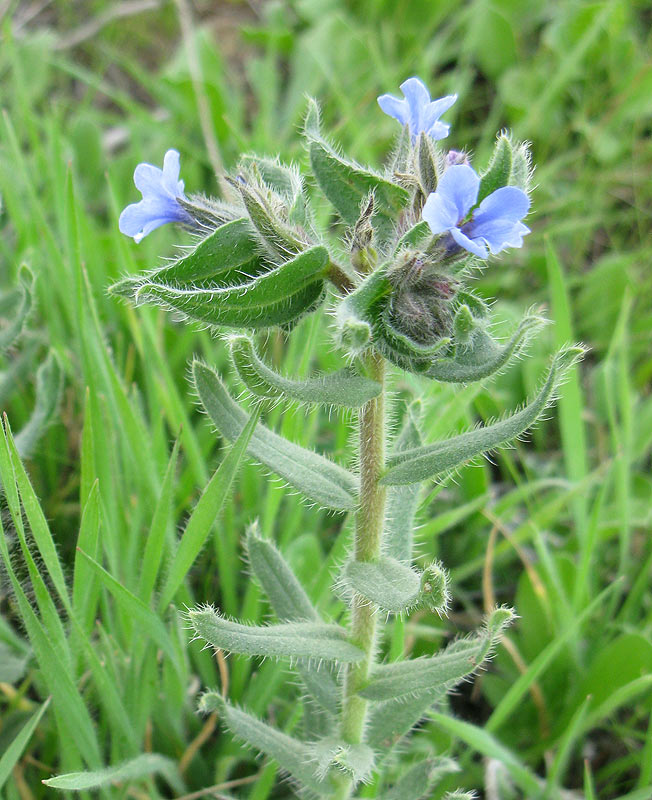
(452, 209)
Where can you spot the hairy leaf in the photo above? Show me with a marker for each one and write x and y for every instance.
(296, 640)
(395, 588)
(402, 501)
(424, 675)
(424, 462)
(347, 185)
(391, 720)
(288, 598)
(357, 759)
(135, 769)
(12, 330)
(49, 381)
(292, 755)
(230, 256)
(478, 355)
(290, 602)
(278, 297)
(318, 478)
(499, 168)
(420, 779)
(343, 388)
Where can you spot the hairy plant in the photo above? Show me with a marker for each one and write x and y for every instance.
(413, 234)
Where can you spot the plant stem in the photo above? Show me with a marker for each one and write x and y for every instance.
(368, 536)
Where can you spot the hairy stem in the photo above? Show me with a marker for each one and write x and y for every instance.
(368, 535)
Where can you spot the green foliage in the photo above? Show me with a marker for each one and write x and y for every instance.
(343, 388)
(573, 500)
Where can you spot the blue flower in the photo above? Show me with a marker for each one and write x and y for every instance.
(417, 111)
(496, 222)
(160, 189)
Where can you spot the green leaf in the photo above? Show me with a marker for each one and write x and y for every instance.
(420, 779)
(85, 590)
(499, 169)
(135, 769)
(230, 256)
(347, 185)
(402, 501)
(288, 598)
(155, 542)
(478, 355)
(356, 759)
(280, 296)
(318, 478)
(391, 720)
(15, 749)
(295, 640)
(280, 239)
(49, 379)
(292, 755)
(12, 330)
(205, 513)
(424, 675)
(395, 588)
(483, 742)
(425, 462)
(290, 602)
(284, 180)
(148, 622)
(343, 388)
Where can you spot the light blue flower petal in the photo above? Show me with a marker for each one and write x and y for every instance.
(439, 130)
(418, 98)
(171, 169)
(148, 179)
(439, 212)
(509, 203)
(499, 234)
(459, 185)
(434, 110)
(477, 247)
(394, 107)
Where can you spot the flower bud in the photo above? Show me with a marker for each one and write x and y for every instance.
(420, 305)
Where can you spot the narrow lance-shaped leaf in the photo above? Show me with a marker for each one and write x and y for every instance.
(309, 641)
(290, 602)
(420, 779)
(402, 501)
(499, 169)
(12, 330)
(230, 256)
(421, 463)
(137, 768)
(288, 598)
(278, 297)
(14, 751)
(318, 478)
(442, 671)
(390, 720)
(343, 388)
(205, 513)
(292, 755)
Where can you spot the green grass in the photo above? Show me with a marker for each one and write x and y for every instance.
(92, 580)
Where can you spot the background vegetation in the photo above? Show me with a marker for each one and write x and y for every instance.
(559, 526)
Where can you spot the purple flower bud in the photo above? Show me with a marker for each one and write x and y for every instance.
(455, 157)
(417, 110)
(161, 189)
(496, 222)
